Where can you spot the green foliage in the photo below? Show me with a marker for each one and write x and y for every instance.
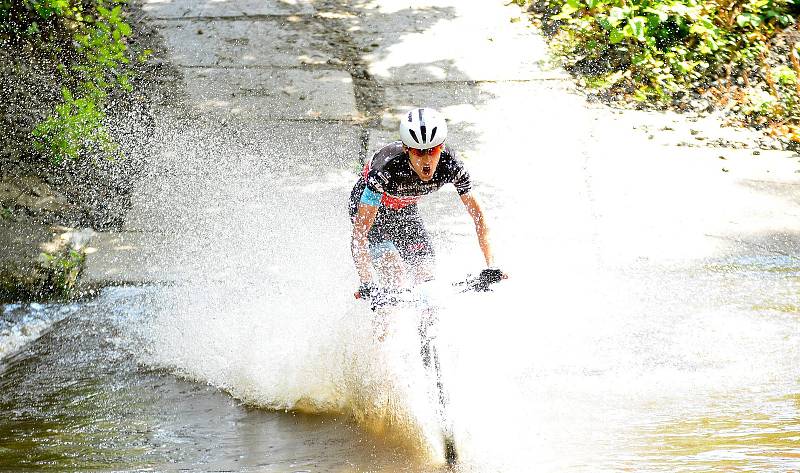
(95, 65)
(48, 8)
(75, 125)
(63, 268)
(649, 50)
(6, 214)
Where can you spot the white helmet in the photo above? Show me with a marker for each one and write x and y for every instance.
(423, 128)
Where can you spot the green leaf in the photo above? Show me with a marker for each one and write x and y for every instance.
(785, 75)
(616, 15)
(605, 24)
(124, 83)
(566, 12)
(638, 27)
(615, 36)
(576, 4)
(659, 13)
(748, 19)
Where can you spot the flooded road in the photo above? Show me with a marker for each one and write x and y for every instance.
(650, 322)
(701, 376)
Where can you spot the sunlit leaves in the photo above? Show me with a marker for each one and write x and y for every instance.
(77, 123)
(748, 19)
(657, 50)
(636, 28)
(663, 45)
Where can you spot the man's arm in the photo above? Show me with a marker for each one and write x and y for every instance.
(474, 210)
(358, 243)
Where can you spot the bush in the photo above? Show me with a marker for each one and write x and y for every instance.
(656, 50)
(87, 43)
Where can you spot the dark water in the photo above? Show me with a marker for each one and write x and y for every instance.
(76, 399)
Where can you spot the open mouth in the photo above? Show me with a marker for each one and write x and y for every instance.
(426, 169)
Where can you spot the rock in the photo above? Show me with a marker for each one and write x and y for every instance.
(700, 105)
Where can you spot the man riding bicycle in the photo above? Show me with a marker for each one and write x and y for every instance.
(388, 232)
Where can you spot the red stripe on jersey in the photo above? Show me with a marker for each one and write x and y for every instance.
(391, 201)
(366, 170)
(397, 203)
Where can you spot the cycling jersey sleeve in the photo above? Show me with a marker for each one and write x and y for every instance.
(376, 180)
(461, 179)
(370, 197)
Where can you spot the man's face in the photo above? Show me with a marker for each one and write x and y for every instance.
(424, 161)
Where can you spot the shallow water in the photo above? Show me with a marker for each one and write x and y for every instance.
(702, 382)
(77, 399)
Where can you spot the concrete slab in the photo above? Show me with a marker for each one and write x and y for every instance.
(242, 164)
(681, 130)
(132, 258)
(253, 148)
(496, 119)
(265, 42)
(455, 42)
(441, 54)
(225, 8)
(271, 93)
(411, 15)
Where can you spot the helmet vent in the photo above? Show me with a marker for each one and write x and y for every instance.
(414, 135)
(433, 132)
(424, 133)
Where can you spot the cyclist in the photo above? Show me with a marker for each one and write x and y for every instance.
(388, 232)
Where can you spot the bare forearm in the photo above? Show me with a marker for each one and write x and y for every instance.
(481, 228)
(359, 244)
(483, 240)
(361, 256)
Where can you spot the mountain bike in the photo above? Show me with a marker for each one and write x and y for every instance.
(386, 299)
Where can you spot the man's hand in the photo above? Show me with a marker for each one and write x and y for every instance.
(488, 277)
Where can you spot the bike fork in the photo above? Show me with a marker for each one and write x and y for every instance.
(430, 359)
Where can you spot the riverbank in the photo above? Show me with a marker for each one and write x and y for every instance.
(737, 59)
(51, 204)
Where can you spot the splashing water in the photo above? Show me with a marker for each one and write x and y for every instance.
(571, 364)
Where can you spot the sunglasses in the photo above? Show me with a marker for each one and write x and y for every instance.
(424, 152)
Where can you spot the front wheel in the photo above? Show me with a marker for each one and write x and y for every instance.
(430, 359)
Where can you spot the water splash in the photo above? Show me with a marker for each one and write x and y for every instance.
(21, 324)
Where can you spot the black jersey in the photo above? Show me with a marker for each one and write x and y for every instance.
(389, 175)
